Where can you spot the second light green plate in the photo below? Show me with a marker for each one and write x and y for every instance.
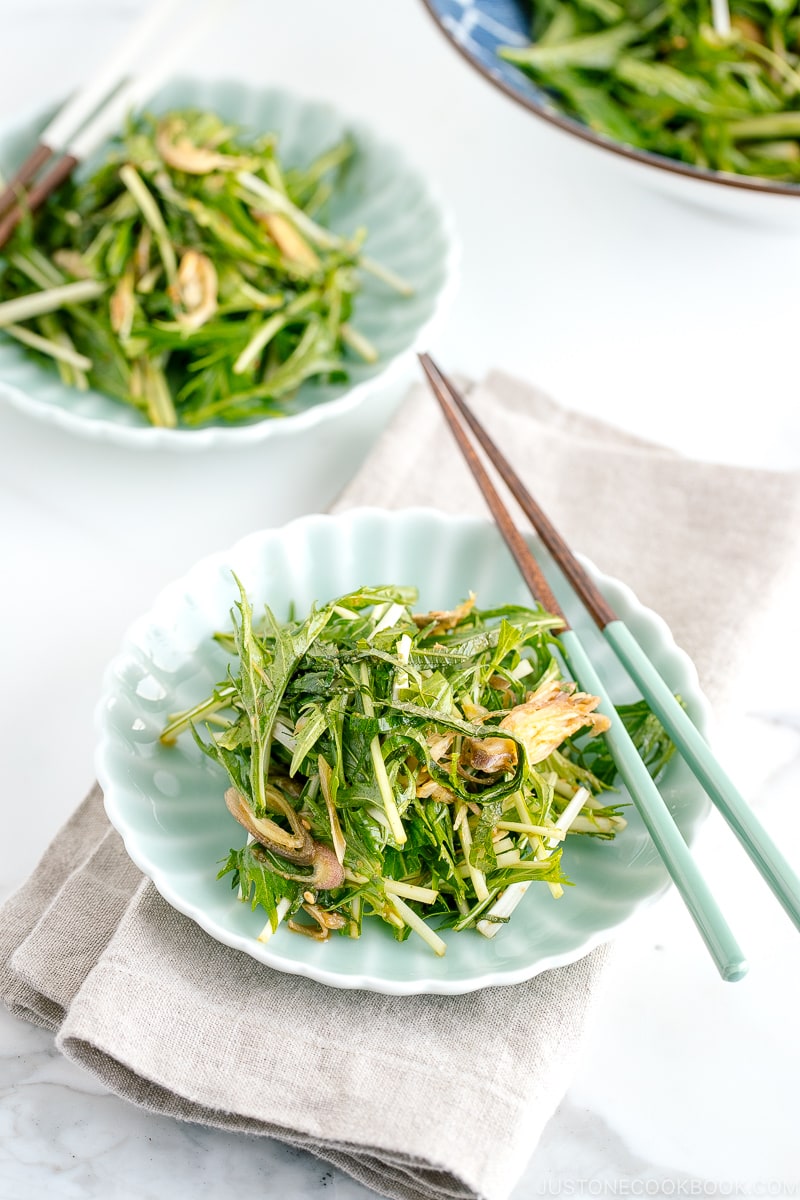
(408, 231)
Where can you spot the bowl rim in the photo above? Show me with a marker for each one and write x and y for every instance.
(368, 980)
(206, 437)
(741, 183)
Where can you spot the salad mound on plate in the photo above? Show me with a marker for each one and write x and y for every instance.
(415, 768)
(202, 285)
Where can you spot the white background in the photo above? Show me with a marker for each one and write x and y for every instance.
(659, 317)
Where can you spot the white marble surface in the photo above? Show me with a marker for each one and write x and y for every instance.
(661, 318)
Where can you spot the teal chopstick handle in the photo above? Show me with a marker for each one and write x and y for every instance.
(698, 755)
(674, 852)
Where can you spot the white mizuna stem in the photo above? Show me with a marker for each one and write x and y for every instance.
(516, 891)
(40, 270)
(355, 917)
(410, 890)
(403, 654)
(379, 766)
(523, 827)
(277, 202)
(392, 615)
(508, 858)
(540, 854)
(152, 215)
(315, 233)
(417, 924)
(263, 335)
(249, 842)
(565, 821)
(49, 300)
(385, 788)
(45, 346)
(721, 16)
(272, 326)
(594, 824)
(282, 733)
(362, 346)
(522, 809)
(387, 276)
(337, 837)
(267, 932)
(465, 837)
(503, 907)
(506, 903)
(562, 825)
(347, 613)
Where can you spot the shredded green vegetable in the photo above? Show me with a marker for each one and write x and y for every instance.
(190, 276)
(418, 769)
(657, 76)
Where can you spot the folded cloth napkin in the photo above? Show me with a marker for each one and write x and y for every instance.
(417, 1097)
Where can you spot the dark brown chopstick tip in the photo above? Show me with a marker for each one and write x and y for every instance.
(9, 197)
(529, 568)
(591, 596)
(37, 195)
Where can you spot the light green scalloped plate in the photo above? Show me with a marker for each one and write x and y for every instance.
(408, 231)
(168, 803)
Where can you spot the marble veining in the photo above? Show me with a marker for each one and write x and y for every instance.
(62, 1134)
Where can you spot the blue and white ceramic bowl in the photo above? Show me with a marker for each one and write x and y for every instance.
(478, 28)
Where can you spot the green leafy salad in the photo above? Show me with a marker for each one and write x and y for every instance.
(420, 769)
(658, 76)
(189, 276)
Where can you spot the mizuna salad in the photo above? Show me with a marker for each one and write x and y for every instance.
(419, 769)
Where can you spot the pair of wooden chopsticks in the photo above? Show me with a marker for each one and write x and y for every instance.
(696, 752)
(98, 108)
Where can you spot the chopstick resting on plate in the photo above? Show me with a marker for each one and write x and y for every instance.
(658, 820)
(770, 862)
(97, 109)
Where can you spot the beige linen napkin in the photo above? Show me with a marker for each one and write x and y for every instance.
(417, 1097)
